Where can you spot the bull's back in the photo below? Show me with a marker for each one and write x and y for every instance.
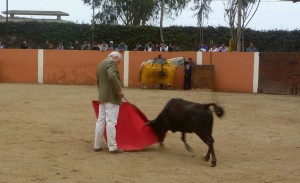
(188, 116)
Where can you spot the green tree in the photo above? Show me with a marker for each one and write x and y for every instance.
(128, 12)
(136, 12)
(239, 13)
(202, 8)
(171, 8)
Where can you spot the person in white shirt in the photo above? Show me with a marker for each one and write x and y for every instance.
(214, 49)
(149, 46)
(1, 45)
(103, 46)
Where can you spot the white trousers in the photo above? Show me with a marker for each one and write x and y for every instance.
(108, 114)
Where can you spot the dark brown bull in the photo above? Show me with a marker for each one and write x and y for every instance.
(187, 117)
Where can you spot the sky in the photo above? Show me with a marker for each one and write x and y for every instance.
(271, 15)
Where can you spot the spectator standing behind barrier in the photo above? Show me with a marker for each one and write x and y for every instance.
(24, 45)
(166, 47)
(223, 48)
(187, 85)
(203, 47)
(251, 48)
(103, 46)
(70, 46)
(172, 47)
(149, 46)
(161, 47)
(1, 45)
(138, 47)
(122, 46)
(111, 46)
(60, 46)
(85, 46)
(95, 46)
(156, 48)
(46, 45)
(76, 45)
(214, 49)
(110, 98)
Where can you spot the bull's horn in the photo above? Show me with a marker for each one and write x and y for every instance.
(146, 124)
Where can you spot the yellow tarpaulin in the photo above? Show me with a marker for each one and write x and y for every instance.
(158, 73)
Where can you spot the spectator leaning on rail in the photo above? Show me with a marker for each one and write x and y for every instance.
(223, 48)
(103, 46)
(138, 47)
(122, 46)
(251, 48)
(149, 46)
(24, 45)
(60, 46)
(95, 46)
(203, 47)
(214, 49)
(76, 46)
(162, 47)
(110, 98)
(111, 46)
(172, 47)
(1, 45)
(46, 45)
(85, 46)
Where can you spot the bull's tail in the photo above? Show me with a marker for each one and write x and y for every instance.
(217, 109)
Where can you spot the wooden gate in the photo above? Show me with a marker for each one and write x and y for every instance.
(279, 73)
(203, 77)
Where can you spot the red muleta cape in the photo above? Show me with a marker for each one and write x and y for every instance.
(131, 133)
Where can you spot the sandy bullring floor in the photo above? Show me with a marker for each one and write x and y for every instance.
(47, 134)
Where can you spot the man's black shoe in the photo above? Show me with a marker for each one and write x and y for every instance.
(117, 151)
(97, 150)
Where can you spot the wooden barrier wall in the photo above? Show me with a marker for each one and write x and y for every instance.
(18, 66)
(273, 63)
(234, 72)
(71, 67)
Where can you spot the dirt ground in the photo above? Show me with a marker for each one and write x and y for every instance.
(47, 134)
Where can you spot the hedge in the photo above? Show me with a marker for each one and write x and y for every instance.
(186, 38)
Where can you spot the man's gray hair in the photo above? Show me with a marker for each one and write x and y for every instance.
(115, 54)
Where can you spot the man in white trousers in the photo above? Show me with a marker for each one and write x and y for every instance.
(110, 99)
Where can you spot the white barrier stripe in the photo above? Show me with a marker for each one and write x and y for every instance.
(40, 66)
(199, 58)
(255, 72)
(126, 68)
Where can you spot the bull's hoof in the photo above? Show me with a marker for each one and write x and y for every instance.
(206, 158)
(213, 164)
(189, 149)
(161, 146)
